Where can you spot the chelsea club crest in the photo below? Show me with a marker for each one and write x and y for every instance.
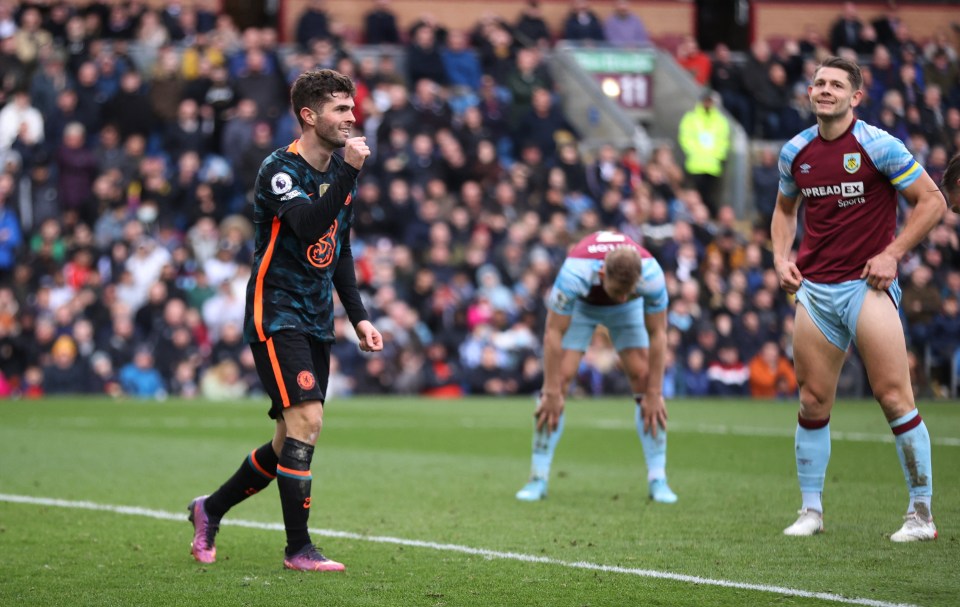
(851, 162)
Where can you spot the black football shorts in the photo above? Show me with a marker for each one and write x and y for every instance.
(293, 367)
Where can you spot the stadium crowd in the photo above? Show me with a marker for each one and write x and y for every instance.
(130, 138)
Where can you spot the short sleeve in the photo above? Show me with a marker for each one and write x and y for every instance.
(890, 156)
(653, 287)
(571, 283)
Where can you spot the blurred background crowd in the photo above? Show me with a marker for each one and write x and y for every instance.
(131, 135)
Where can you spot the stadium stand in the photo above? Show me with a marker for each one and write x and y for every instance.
(130, 132)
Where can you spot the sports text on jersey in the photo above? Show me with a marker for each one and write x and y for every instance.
(850, 192)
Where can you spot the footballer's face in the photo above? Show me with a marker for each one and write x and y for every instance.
(831, 94)
(333, 123)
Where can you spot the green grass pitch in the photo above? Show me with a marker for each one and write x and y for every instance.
(417, 497)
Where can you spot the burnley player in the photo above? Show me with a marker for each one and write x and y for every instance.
(607, 279)
(845, 278)
(303, 217)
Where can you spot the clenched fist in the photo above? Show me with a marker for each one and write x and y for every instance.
(355, 151)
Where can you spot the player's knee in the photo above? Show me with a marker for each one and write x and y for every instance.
(815, 403)
(305, 421)
(894, 400)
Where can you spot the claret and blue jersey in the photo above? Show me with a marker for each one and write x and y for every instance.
(849, 187)
(579, 277)
(291, 285)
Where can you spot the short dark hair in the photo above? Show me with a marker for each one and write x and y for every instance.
(851, 68)
(951, 175)
(313, 89)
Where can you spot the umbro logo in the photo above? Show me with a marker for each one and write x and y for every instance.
(805, 168)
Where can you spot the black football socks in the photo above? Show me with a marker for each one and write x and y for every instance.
(294, 481)
(253, 475)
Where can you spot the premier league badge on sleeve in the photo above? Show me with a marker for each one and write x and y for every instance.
(281, 183)
(851, 162)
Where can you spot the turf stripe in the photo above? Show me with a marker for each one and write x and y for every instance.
(723, 429)
(490, 554)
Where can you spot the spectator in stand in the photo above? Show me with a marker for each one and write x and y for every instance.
(497, 52)
(313, 23)
(727, 374)
(11, 236)
(423, 57)
(886, 24)
(150, 36)
(103, 379)
(772, 98)
(624, 28)
(531, 25)
(527, 74)
(694, 380)
(771, 374)
(944, 349)
(726, 78)
(867, 42)
(189, 132)
(541, 124)
(66, 373)
(64, 113)
(31, 37)
(919, 304)
(907, 84)
(140, 379)
(756, 72)
(944, 73)
(380, 25)
(766, 182)
(845, 32)
(263, 85)
(49, 81)
(77, 166)
(130, 108)
(704, 136)
(19, 119)
(462, 67)
(582, 24)
(695, 61)
(884, 72)
(932, 118)
(223, 381)
(489, 377)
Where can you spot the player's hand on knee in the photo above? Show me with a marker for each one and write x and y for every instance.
(548, 411)
(654, 413)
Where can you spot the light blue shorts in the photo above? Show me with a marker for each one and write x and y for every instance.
(835, 308)
(624, 322)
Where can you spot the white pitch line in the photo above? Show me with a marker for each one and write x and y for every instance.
(489, 554)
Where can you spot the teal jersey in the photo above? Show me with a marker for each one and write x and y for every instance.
(292, 281)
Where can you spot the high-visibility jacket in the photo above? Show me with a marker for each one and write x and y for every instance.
(705, 140)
